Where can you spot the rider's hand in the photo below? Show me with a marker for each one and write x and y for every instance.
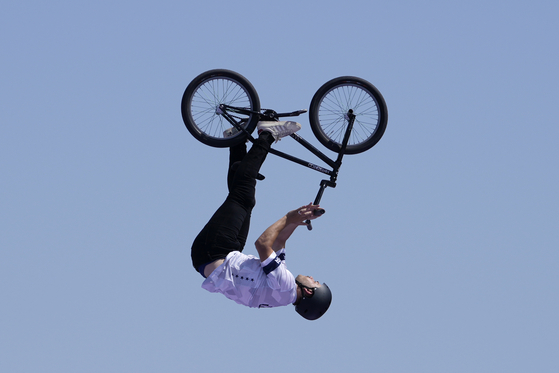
(300, 215)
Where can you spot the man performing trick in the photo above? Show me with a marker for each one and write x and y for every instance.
(217, 250)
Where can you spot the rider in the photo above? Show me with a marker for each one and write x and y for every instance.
(217, 250)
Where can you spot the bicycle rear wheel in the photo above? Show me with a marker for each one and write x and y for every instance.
(201, 101)
(328, 114)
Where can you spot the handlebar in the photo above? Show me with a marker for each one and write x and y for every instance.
(317, 212)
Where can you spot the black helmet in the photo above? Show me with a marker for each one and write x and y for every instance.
(314, 307)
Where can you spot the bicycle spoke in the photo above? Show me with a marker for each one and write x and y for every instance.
(334, 109)
(207, 99)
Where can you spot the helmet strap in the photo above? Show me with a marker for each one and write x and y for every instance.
(304, 287)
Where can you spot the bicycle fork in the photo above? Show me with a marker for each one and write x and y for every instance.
(338, 163)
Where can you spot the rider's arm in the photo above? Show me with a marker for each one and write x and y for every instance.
(285, 233)
(273, 238)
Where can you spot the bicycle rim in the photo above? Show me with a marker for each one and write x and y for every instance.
(209, 95)
(334, 107)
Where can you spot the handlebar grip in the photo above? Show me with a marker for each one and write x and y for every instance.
(318, 212)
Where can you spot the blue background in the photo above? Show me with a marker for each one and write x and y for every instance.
(440, 243)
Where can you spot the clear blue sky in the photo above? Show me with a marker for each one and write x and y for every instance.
(440, 243)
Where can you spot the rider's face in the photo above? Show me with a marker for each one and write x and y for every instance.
(308, 281)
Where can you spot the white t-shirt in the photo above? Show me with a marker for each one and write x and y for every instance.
(247, 281)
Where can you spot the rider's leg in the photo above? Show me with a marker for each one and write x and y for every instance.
(236, 155)
(243, 183)
(224, 232)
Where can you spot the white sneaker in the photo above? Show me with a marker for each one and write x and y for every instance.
(278, 129)
(230, 132)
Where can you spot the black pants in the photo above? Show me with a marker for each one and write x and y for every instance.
(228, 228)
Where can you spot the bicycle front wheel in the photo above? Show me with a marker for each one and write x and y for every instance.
(328, 114)
(201, 111)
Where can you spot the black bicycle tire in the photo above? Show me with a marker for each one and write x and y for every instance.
(334, 144)
(216, 139)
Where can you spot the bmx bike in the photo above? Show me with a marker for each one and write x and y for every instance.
(348, 115)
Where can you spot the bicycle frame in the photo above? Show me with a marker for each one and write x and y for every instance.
(271, 115)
